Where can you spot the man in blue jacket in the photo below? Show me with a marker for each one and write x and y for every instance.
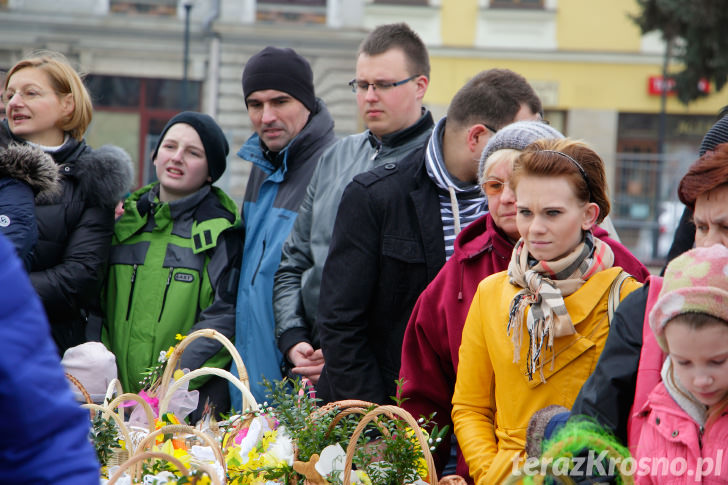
(392, 75)
(292, 129)
(44, 432)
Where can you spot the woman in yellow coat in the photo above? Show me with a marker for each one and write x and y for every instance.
(534, 332)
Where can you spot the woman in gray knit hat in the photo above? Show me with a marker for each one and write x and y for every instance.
(433, 334)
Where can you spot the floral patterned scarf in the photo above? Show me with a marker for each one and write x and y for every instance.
(545, 284)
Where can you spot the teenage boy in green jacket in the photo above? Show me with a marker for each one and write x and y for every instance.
(174, 259)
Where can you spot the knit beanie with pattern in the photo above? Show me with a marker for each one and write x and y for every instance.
(211, 135)
(282, 70)
(694, 282)
(717, 134)
(516, 136)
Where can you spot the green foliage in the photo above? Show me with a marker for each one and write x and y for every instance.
(397, 457)
(387, 450)
(105, 437)
(310, 429)
(697, 29)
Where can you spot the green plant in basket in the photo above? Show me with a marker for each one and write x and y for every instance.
(105, 437)
(386, 453)
(309, 426)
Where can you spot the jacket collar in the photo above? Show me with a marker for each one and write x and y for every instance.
(422, 125)
(480, 236)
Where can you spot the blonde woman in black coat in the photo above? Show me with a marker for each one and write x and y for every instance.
(48, 106)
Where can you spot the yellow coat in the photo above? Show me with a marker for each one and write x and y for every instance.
(493, 398)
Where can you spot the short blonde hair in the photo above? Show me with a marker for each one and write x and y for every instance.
(495, 158)
(64, 81)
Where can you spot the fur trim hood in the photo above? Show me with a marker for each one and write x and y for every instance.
(33, 166)
(105, 175)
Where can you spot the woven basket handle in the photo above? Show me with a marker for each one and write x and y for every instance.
(180, 348)
(182, 429)
(407, 417)
(248, 399)
(128, 396)
(146, 456)
(114, 387)
(346, 408)
(84, 392)
(110, 413)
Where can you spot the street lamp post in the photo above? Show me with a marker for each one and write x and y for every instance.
(187, 4)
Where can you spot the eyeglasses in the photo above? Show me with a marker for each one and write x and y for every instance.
(493, 187)
(378, 85)
(490, 128)
(28, 94)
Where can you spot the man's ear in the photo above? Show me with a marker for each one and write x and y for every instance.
(475, 138)
(422, 82)
(591, 213)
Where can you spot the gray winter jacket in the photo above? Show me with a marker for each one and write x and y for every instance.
(298, 279)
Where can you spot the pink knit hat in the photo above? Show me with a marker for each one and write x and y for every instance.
(694, 282)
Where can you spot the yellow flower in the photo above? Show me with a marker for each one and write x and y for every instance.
(179, 336)
(421, 463)
(179, 453)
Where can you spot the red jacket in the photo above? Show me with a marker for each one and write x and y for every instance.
(671, 449)
(433, 334)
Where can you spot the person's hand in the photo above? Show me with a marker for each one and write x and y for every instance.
(306, 361)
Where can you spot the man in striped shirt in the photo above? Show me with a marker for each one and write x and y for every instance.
(394, 230)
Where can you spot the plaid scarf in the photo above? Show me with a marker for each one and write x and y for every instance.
(545, 284)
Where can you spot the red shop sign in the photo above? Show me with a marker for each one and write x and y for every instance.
(655, 85)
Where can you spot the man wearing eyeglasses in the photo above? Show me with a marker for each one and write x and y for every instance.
(292, 129)
(392, 75)
(395, 229)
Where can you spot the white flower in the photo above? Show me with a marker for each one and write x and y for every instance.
(203, 453)
(282, 449)
(332, 460)
(255, 431)
(160, 478)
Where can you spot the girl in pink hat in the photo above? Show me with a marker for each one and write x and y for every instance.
(685, 422)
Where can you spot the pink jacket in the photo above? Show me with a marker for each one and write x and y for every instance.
(648, 372)
(434, 331)
(671, 449)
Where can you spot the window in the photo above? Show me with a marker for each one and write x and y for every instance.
(402, 2)
(536, 4)
(145, 7)
(292, 11)
(300, 3)
(131, 112)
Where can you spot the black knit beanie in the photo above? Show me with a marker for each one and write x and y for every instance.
(211, 135)
(282, 70)
(716, 135)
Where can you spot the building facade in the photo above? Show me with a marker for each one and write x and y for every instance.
(146, 60)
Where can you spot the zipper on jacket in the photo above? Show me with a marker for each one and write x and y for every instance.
(131, 290)
(376, 152)
(701, 430)
(260, 262)
(164, 297)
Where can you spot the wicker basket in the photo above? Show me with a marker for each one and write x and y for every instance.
(133, 466)
(389, 411)
(164, 391)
